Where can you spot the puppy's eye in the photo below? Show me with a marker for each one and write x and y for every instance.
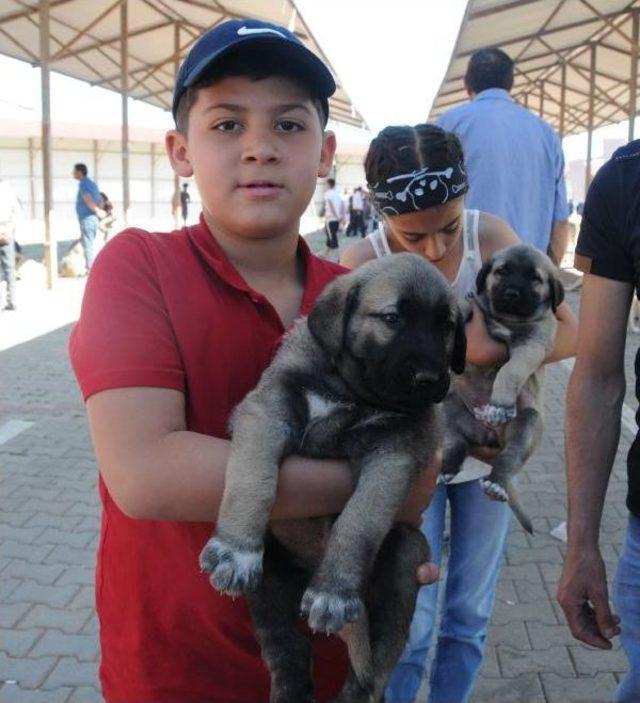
(391, 318)
(535, 278)
(500, 270)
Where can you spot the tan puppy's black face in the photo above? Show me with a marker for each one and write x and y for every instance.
(520, 281)
(394, 329)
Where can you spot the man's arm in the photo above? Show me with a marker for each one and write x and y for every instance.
(594, 402)
(92, 205)
(559, 240)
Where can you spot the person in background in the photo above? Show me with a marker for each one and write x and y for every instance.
(356, 213)
(333, 213)
(89, 211)
(513, 158)
(434, 223)
(9, 212)
(185, 199)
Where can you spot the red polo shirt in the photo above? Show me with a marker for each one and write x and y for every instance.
(170, 311)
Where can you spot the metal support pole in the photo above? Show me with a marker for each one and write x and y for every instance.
(95, 160)
(153, 179)
(541, 105)
(32, 181)
(633, 83)
(175, 201)
(563, 98)
(124, 89)
(50, 249)
(592, 98)
(526, 100)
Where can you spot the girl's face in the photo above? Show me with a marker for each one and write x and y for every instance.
(433, 233)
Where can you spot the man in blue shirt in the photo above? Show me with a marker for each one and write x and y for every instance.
(88, 208)
(513, 158)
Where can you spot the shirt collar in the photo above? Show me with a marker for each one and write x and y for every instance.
(214, 257)
(494, 94)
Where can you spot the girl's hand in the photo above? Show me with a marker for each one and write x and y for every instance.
(482, 350)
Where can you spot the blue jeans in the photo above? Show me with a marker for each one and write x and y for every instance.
(479, 528)
(626, 600)
(88, 231)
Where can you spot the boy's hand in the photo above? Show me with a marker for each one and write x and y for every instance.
(482, 350)
(421, 493)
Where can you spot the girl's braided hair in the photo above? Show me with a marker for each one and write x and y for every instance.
(402, 149)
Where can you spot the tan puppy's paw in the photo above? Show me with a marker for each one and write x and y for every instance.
(494, 490)
(232, 570)
(329, 612)
(495, 415)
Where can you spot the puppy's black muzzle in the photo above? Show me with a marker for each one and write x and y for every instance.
(514, 299)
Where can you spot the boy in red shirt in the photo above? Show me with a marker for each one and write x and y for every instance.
(175, 329)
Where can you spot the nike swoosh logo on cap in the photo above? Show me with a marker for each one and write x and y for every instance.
(243, 31)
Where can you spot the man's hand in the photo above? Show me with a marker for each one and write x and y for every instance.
(584, 597)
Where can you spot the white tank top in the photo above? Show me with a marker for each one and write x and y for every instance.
(463, 284)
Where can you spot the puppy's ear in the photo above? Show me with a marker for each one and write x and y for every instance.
(459, 353)
(481, 278)
(556, 291)
(329, 318)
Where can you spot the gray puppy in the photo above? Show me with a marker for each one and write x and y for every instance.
(518, 291)
(358, 381)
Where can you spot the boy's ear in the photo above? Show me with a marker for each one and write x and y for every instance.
(178, 152)
(327, 154)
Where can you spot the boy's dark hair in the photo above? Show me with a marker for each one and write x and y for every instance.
(81, 167)
(404, 149)
(331, 182)
(244, 64)
(489, 68)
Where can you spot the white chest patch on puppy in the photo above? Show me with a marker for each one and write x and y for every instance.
(320, 407)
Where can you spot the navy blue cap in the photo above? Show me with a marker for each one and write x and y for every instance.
(261, 36)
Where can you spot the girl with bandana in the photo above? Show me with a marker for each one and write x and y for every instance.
(417, 181)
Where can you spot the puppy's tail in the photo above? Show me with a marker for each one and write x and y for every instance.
(359, 648)
(518, 511)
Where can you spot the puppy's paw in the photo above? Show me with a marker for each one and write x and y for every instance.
(494, 415)
(232, 570)
(494, 490)
(329, 612)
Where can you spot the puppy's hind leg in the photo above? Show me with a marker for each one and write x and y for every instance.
(521, 437)
(454, 453)
(274, 606)
(390, 603)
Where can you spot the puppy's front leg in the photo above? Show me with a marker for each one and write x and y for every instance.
(524, 360)
(233, 556)
(333, 597)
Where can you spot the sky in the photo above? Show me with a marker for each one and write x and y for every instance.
(390, 55)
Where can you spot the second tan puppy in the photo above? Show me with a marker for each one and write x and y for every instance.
(358, 381)
(518, 291)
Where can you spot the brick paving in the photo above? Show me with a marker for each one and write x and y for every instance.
(49, 531)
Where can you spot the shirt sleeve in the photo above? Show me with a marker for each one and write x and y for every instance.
(124, 337)
(601, 247)
(561, 205)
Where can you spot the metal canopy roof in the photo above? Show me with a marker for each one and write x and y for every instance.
(85, 40)
(589, 46)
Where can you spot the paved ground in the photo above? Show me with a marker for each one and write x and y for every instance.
(49, 522)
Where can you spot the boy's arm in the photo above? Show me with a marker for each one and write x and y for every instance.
(594, 401)
(156, 469)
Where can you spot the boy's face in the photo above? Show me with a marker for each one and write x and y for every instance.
(256, 149)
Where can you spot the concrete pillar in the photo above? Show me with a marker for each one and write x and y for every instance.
(633, 83)
(592, 93)
(124, 89)
(175, 201)
(153, 179)
(50, 246)
(563, 99)
(32, 180)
